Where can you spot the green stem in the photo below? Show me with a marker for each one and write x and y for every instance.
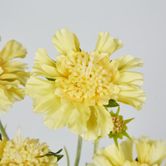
(78, 153)
(3, 131)
(96, 145)
(67, 156)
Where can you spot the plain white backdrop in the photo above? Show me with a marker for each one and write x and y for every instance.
(140, 24)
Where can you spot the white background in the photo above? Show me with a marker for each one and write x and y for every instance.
(140, 24)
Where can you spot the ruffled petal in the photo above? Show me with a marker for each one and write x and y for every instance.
(113, 155)
(43, 93)
(128, 62)
(150, 151)
(131, 78)
(66, 42)
(118, 155)
(128, 82)
(44, 65)
(4, 102)
(100, 160)
(106, 44)
(13, 49)
(99, 123)
(9, 93)
(132, 96)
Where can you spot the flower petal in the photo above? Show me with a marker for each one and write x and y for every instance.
(13, 49)
(44, 65)
(127, 62)
(150, 151)
(132, 96)
(107, 44)
(66, 41)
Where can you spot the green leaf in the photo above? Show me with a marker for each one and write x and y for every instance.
(56, 154)
(112, 103)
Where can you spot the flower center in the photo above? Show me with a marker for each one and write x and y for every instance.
(85, 79)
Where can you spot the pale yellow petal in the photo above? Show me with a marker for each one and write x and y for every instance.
(99, 123)
(13, 49)
(132, 96)
(128, 62)
(150, 151)
(131, 78)
(43, 93)
(44, 65)
(100, 160)
(113, 155)
(9, 93)
(118, 156)
(5, 103)
(107, 44)
(68, 116)
(66, 41)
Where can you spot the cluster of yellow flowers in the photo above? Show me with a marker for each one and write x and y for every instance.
(148, 153)
(77, 90)
(25, 152)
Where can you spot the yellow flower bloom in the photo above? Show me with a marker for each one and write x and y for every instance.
(26, 152)
(12, 74)
(73, 89)
(148, 153)
(113, 156)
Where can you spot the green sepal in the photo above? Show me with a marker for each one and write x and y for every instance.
(55, 154)
(112, 103)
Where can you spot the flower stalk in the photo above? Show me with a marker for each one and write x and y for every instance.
(67, 156)
(78, 153)
(96, 146)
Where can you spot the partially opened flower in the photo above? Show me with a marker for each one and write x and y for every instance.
(73, 90)
(148, 153)
(26, 151)
(113, 155)
(12, 74)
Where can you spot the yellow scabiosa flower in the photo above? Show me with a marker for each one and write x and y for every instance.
(12, 74)
(73, 90)
(148, 153)
(113, 155)
(27, 152)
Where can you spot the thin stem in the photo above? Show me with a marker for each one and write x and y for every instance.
(78, 153)
(67, 156)
(96, 145)
(3, 131)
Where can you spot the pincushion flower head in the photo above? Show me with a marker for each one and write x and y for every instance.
(27, 151)
(12, 74)
(148, 153)
(73, 89)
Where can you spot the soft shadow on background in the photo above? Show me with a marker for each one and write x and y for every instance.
(141, 25)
